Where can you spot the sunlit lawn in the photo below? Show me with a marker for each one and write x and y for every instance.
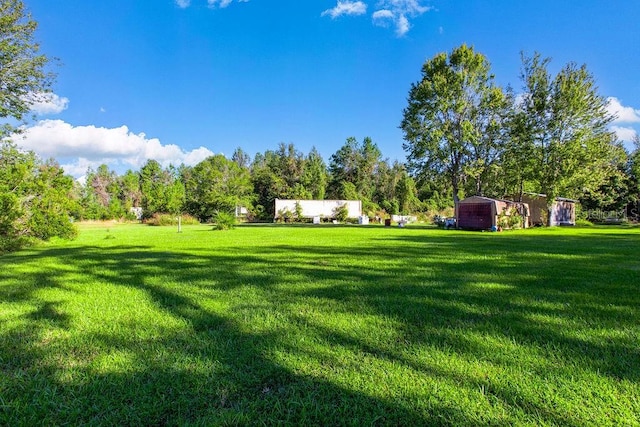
(324, 325)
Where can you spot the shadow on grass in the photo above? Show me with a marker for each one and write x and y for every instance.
(442, 293)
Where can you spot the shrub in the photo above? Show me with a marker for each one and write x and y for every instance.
(510, 219)
(583, 223)
(341, 213)
(12, 243)
(224, 221)
(298, 211)
(165, 220)
(285, 215)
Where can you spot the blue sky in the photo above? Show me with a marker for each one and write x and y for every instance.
(178, 80)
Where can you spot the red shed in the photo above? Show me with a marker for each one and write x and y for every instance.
(483, 213)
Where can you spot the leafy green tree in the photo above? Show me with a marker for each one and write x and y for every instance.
(153, 182)
(452, 121)
(161, 189)
(268, 185)
(242, 158)
(101, 195)
(16, 172)
(217, 184)
(130, 193)
(616, 192)
(407, 195)
(314, 178)
(563, 137)
(35, 199)
(633, 207)
(357, 164)
(23, 77)
(52, 203)
(175, 196)
(286, 174)
(343, 167)
(386, 180)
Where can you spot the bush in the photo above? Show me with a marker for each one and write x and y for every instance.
(165, 220)
(341, 213)
(12, 243)
(583, 223)
(284, 215)
(510, 219)
(224, 221)
(298, 212)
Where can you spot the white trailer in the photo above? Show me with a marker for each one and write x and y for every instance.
(318, 208)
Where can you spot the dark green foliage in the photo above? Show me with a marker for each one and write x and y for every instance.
(164, 220)
(23, 78)
(224, 221)
(561, 143)
(287, 174)
(35, 199)
(216, 184)
(353, 170)
(454, 119)
(162, 190)
(341, 213)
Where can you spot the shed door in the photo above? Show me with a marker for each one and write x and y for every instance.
(475, 215)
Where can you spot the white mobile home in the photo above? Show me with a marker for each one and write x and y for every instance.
(318, 208)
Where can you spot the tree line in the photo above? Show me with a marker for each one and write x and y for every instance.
(356, 171)
(464, 135)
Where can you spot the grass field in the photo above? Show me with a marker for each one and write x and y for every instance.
(324, 325)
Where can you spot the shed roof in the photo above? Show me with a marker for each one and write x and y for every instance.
(558, 199)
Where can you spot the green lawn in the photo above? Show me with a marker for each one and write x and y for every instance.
(322, 325)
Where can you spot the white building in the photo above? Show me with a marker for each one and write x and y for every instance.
(318, 208)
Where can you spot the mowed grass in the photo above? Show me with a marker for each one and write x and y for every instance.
(324, 325)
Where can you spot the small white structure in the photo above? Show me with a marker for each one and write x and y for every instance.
(137, 212)
(318, 208)
(406, 219)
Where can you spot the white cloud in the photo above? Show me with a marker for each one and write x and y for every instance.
(398, 12)
(48, 103)
(402, 25)
(92, 146)
(78, 169)
(382, 14)
(223, 3)
(625, 134)
(623, 114)
(346, 8)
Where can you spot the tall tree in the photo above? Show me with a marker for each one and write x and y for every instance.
(23, 77)
(162, 190)
(634, 180)
(217, 184)
(101, 198)
(356, 164)
(35, 198)
(315, 176)
(242, 158)
(130, 193)
(283, 174)
(449, 124)
(563, 130)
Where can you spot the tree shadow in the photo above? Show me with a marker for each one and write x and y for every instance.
(220, 369)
